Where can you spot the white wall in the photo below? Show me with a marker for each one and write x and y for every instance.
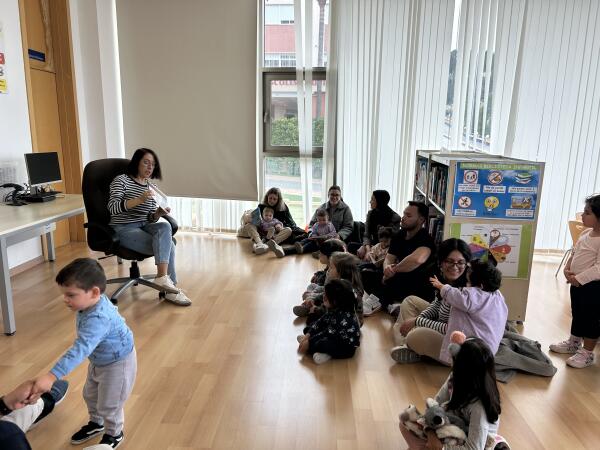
(97, 79)
(14, 117)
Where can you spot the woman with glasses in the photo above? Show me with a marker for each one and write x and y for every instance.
(134, 216)
(421, 326)
(339, 213)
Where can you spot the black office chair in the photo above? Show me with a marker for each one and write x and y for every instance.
(95, 187)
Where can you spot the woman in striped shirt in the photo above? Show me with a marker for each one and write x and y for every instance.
(134, 216)
(421, 326)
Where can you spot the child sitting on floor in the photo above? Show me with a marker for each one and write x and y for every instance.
(378, 252)
(478, 310)
(273, 232)
(471, 393)
(320, 232)
(314, 291)
(337, 333)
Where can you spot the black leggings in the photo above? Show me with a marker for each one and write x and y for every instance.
(334, 347)
(585, 308)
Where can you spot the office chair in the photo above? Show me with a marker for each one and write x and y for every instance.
(95, 187)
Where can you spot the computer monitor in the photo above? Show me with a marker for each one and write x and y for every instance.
(42, 168)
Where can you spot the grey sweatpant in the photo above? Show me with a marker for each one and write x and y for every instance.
(106, 390)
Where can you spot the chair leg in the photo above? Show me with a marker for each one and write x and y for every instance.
(158, 287)
(115, 296)
(118, 280)
(562, 262)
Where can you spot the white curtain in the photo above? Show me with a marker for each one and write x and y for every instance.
(391, 64)
(217, 216)
(557, 107)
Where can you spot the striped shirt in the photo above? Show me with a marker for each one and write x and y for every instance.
(435, 316)
(124, 188)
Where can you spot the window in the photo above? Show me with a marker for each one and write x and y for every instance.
(282, 161)
(284, 172)
(281, 112)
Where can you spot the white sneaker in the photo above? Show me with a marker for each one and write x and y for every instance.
(583, 358)
(404, 355)
(300, 338)
(180, 298)
(321, 358)
(371, 305)
(276, 248)
(259, 249)
(569, 346)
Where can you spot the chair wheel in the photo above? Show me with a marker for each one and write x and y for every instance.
(162, 295)
(114, 301)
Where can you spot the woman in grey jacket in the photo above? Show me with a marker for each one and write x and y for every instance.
(339, 213)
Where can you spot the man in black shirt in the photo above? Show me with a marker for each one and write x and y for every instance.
(408, 265)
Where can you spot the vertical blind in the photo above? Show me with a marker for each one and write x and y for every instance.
(392, 75)
(188, 75)
(557, 108)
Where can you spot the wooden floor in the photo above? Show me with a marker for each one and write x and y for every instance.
(224, 373)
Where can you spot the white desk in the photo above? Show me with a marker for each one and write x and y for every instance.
(19, 223)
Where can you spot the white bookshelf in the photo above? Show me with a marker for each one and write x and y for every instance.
(490, 201)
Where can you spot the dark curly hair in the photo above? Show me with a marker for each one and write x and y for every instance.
(340, 295)
(486, 275)
(593, 201)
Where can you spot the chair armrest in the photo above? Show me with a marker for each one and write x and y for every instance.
(102, 237)
(173, 222)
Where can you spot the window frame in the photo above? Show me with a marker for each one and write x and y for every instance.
(283, 73)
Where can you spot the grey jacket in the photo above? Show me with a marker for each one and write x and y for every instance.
(340, 216)
(517, 352)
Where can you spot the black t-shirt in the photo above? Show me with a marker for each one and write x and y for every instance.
(400, 247)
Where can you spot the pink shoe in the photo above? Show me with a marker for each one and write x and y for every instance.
(581, 359)
(570, 346)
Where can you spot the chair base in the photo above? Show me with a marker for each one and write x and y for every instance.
(562, 261)
(134, 279)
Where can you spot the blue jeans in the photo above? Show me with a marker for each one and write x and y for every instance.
(150, 239)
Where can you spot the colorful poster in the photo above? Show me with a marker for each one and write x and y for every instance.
(496, 191)
(509, 244)
(3, 82)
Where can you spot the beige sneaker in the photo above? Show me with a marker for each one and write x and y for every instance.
(180, 298)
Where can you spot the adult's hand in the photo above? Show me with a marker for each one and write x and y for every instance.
(389, 271)
(406, 326)
(17, 398)
(146, 195)
(41, 384)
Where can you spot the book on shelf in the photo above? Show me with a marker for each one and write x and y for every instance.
(421, 173)
(436, 227)
(438, 185)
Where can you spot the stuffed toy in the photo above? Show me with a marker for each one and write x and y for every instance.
(449, 428)
(409, 418)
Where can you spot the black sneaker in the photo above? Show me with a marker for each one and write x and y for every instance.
(87, 432)
(51, 399)
(112, 441)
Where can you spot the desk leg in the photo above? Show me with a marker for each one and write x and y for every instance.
(8, 314)
(50, 244)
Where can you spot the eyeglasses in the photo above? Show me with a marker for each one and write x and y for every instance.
(148, 163)
(457, 264)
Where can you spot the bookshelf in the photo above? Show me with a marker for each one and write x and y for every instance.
(489, 201)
